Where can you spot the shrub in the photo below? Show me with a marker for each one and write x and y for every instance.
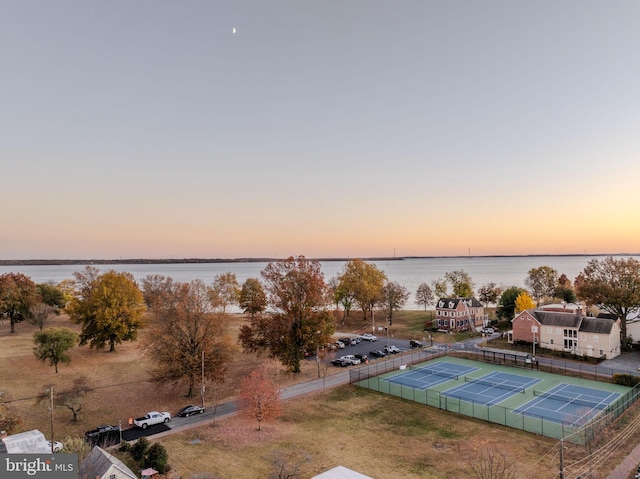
(626, 380)
(139, 449)
(157, 458)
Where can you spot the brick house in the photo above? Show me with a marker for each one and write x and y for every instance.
(459, 314)
(567, 331)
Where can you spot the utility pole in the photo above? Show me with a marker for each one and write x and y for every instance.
(202, 380)
(561, 458)
(51, 417)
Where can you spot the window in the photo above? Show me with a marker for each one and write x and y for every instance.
(551, 341)
(112, 476)
(596, 339)
(583, 336)
(549, 330)
(602, 352)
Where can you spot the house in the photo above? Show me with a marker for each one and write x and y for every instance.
(459, 314)
(341, 472)
(99, 464)
(633, 324)
(568, 331)
(28, 442)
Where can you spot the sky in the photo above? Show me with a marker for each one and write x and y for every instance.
(333, 128)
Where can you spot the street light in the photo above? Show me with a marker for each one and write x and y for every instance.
(534, 330)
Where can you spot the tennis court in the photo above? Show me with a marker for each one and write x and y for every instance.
(423, 377)
(543, 403)
(568, 403)
(492, 388)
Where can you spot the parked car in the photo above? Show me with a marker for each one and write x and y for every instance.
(151, 418)
(415, 344)
(339, 363)
(348, 341)
(103, 435)
(368, 337)
(391, 349)
(339, 344)
(57, 446)
(488, 331)
(190, 410)
(350, 358)
(377, 353)
(362, 357)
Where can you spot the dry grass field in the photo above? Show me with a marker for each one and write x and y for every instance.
(378, 435)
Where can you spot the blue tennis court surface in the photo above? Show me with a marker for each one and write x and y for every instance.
(568, 403)
(492, 388)
(424, 377)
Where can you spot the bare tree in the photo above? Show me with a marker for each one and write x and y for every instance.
(424, 295)
(287, 464)
(41, 313)
(492, 465)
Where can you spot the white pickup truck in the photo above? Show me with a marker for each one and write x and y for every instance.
(151, 418)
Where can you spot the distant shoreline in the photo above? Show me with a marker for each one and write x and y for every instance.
(56, 262)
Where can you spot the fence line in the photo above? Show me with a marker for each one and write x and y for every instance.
(368, 376)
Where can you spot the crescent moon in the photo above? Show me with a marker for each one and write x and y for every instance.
(234, 30)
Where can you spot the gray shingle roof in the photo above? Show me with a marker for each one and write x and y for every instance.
(583, 323)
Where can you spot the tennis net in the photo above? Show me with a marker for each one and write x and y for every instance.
(435, 372)
(570, 399)
(493, 384)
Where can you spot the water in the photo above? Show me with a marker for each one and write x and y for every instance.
(505, 271)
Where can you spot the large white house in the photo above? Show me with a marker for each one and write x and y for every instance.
(568, 331)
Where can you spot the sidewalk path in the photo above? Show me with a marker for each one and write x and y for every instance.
(629, 464)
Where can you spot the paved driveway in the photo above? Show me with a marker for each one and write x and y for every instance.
(628, 361)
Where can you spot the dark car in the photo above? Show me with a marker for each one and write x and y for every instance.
(190, 410)
(340, 363)
(362, 357)
(415, 344)
(377, 353)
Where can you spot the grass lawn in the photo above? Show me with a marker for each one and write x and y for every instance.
(378, 435)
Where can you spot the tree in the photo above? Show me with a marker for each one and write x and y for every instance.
(364, 282)
(188, 339)
(288, 464)
(461, 283)
(541, 282)
(523, 302)
(296, 297)
(488, 464)
(440, 288)
(424, 295)
(489, 294)
(252, 298)
(17, 295)
(52, 295)
(70, 397)
(40, 314)
(157, 291)
(109, 307)
(568, 295)
(614, 286)
(507, 304)
(157, 458)
(394, 297)
(260, 396)
(10, 420)
(52, 344)
(225, 291)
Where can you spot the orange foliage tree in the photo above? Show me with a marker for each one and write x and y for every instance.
(260, 396)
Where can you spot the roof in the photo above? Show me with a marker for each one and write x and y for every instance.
(587, 324)
(340, 472)
(28, 442)
(98, 462)
(452, 303)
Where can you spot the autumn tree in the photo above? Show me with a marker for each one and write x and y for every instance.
(440, 288)
(424, 295)
(340, 295)
(541, 282)
(523, 302)
(297, 319)
(17, 295)
(461, 283)
(507, 303)
(40, 314)
(52, 295)
(394, 297)
(489, 294)
(53, 344)
(252, 298)
(260, 396)
(225, 291)
(10, 420)
(614, 286)
(189, 339)
(109, 307)
(364, 282)
(157, 291)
